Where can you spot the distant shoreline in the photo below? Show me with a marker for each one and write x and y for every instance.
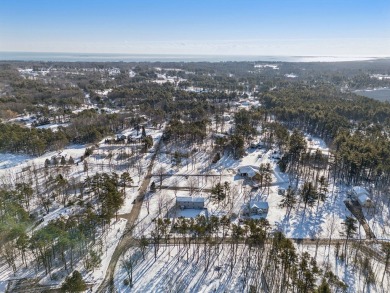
(380, 94)
(107, 57)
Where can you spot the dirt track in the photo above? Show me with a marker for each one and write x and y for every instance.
(127, 240)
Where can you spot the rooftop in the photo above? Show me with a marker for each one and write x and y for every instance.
(248, 169)
(258, 204)
(190, 199)
(358, 190)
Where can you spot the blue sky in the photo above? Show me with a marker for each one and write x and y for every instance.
(217, 27)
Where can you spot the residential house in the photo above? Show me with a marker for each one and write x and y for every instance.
(256, 207)
(190, 202)
(248, 172)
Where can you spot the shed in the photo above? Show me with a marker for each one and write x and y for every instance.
(362, 196)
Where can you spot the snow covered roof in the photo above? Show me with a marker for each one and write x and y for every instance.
(189, 199)
(248, 170)
(219, 135)
(258, 204)
(363, 198)
(361, 194)
(358, 190)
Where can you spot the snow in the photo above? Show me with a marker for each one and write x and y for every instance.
(104, 92)
(272, 66)
(348, 272)
(12, 166)
(190, 213)
(182, 268)
(358, 190)
(16, 163)
(174, 272)
(258, 204)
(315, 143)
(196, 170)
(112, 239)
(180, 199)
(53, 126)
(291, 75)
(249, 170)
(380, 76)
(10, 160)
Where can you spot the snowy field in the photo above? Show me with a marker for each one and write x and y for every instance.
(11, 160)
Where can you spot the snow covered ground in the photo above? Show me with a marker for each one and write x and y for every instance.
(10, 160)
(106, 158)
(173, 272)
(349, 272)
(323, 219)
(53, 126)
(112, 237)
(273, 66)
(182, 269)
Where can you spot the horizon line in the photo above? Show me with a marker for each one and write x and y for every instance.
(188, 54)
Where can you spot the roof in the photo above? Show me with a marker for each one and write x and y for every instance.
(248, 170)
(190, 199)
(358, 190)
(361, 194)
(363, 198)
(258, 204)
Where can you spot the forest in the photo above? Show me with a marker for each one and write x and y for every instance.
(96, 156)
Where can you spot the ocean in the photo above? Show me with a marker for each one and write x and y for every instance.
(380, 94)
(106, 57)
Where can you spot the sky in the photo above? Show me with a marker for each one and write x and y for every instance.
(198, 27)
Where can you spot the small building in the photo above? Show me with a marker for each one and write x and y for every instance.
(226, 117)
(361, 195)
(247, 171)
(258, 207)
(190, 202)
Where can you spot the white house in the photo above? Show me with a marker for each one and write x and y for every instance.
(247, 171)
(258, 207)
(361, 195)
(190, 202)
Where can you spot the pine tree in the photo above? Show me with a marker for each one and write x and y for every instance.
(74, 283)
(324, 287)
(71, 161)
(218, 191)
(308, 194)
(289, 199)
(349, 231)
